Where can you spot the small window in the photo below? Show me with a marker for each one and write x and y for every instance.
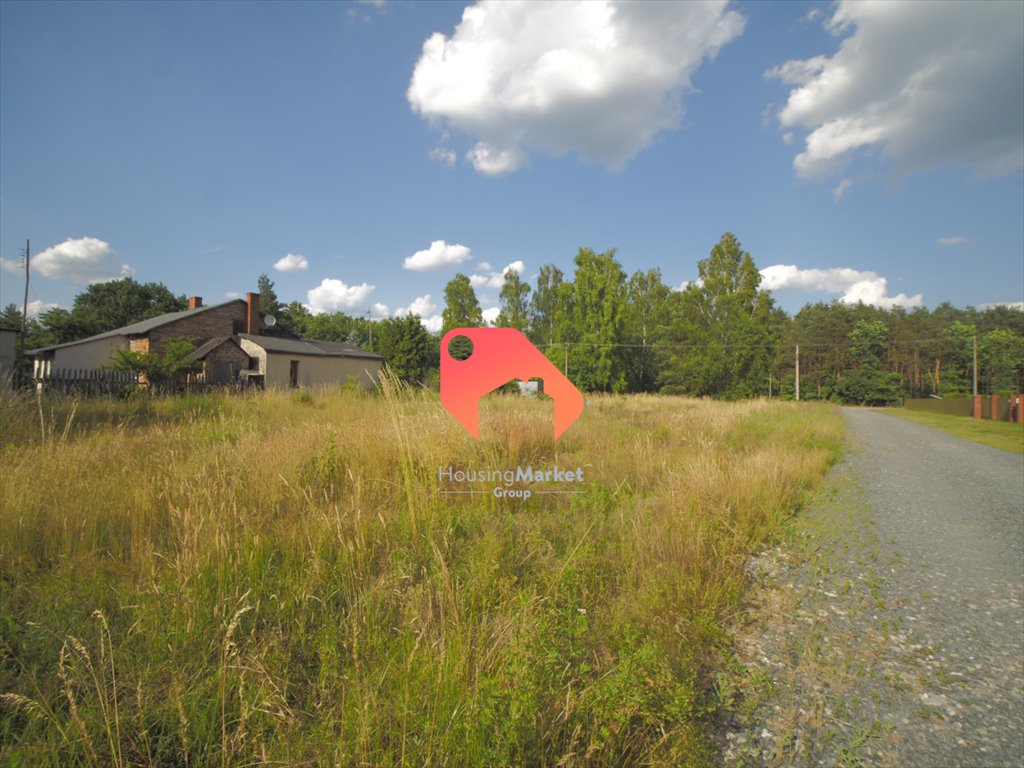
(254, 363)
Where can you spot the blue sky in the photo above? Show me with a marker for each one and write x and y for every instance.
(857, 151)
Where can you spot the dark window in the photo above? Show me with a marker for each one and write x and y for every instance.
(293, 374)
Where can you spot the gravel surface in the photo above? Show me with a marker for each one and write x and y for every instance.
(889, 627)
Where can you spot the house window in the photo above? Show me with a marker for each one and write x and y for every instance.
(254, 363)
(293, 374)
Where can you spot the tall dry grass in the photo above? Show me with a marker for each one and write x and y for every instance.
(275, 579)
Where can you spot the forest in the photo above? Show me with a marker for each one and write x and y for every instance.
(720, 336)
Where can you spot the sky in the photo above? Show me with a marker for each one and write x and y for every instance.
(362, 153)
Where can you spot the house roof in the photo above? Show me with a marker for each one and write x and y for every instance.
(207, 347)
(143, 326)
(309, 347)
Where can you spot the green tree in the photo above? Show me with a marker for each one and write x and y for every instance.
(721, 339)
(514, 302)
(461, 308)
(162, 371)
(105, 306)
(295, 319)
(546, 304)
(868, 383)
(591, 323)
(958, 359)
(269, 303)
(406, 346)
(646, 313)
(1001, 360)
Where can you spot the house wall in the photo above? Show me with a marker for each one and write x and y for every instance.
(314, 370)
(90, 355)
(223, 363)
(221, 321)
(8, 348)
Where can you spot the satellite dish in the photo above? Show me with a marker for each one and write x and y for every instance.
(269, 320)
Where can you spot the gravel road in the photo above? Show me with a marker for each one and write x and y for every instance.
(889, 629)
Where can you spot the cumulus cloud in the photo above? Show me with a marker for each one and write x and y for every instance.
(439, 255)
(928, 84)
(37, 307)
(335, 296)
(597, 77)
(494, 279)
(82, 260)
(950, 241)
(427, 311)
(491, 315)
(293, 262)
(853, 285)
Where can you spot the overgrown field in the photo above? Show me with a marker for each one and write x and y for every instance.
(277, 580)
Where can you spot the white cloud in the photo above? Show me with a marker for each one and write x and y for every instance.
(335, 296)
(82, 260)
(929, 84)
(491, 315)
(484, 265)
(421, 305)
(495, 279)
(853, 285)
(443, 155)
(293, 262)
(232, 295)
(37, 307)
(956, 240)
(439, 255)
(430, 318)
(494, 161)
(597, 77)
(380, 310)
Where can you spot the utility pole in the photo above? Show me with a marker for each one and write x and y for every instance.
(975, 365)
(369, 326)
(798, 373)
(24, 307)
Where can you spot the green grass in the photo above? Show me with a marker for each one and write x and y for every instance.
(275, 580)
(997, 434)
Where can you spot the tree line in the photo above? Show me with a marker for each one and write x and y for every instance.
(720, 336)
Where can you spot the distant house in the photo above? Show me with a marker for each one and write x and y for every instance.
(8, 355)
(231, 342)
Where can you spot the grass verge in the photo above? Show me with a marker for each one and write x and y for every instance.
(277, 579)
(997, 434)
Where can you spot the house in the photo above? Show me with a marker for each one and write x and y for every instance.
(232, 341)
(8, 356)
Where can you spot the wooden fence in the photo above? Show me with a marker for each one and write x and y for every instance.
(951, 406)
(83, 382)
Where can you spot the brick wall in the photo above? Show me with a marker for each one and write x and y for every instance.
(228, 353)
(225, 320)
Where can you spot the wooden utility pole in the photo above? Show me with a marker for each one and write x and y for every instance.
(24, 307)
(798, 373)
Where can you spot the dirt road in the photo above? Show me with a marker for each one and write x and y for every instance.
(889, 630)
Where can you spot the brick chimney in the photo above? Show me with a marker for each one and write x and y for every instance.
(252, 314)
(195, 302)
